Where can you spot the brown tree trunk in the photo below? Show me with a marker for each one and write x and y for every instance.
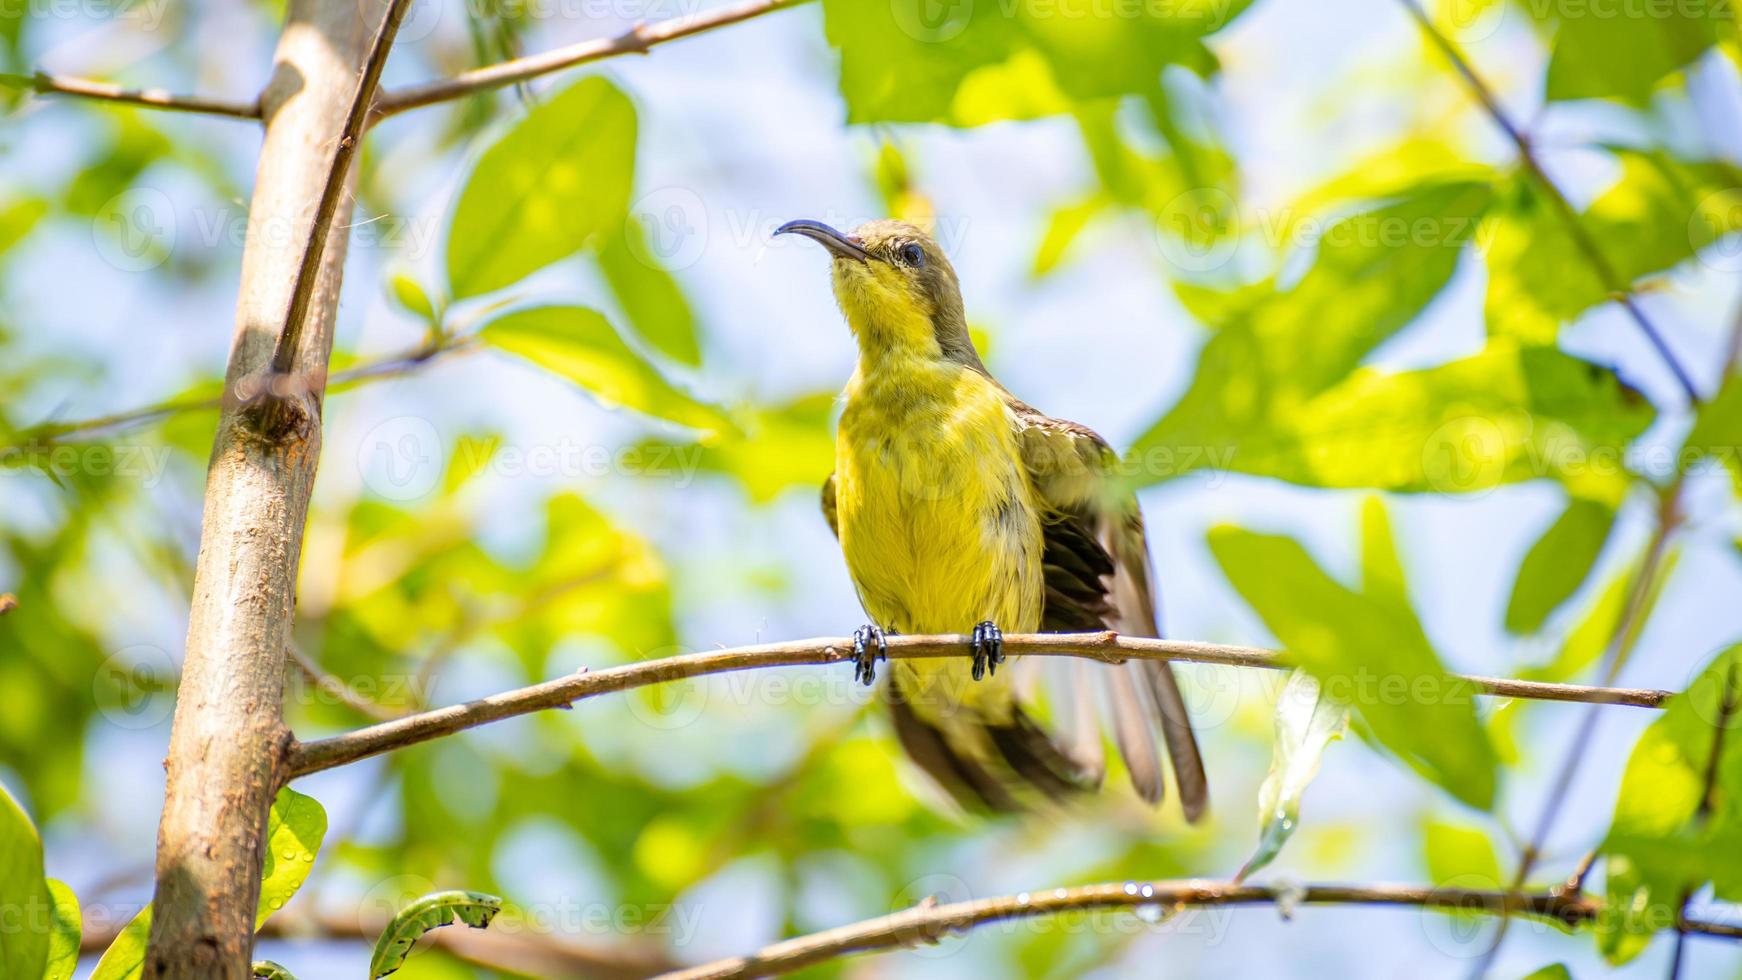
(227, 746)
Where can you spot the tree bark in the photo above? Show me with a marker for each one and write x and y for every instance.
(227, 746)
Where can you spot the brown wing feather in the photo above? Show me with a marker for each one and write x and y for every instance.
(1098, 577)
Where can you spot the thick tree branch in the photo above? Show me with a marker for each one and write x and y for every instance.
(1619, 288)
(326, 753)
(43, 83)
(638, 40)
(228, 739)
(931, 922)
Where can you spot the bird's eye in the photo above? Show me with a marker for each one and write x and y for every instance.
(911, 254)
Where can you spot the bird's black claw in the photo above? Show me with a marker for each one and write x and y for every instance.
(988, 647)
(869, 646)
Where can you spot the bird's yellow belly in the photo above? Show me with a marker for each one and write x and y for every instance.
(938, 523)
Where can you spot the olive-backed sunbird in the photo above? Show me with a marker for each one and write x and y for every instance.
(961, 509)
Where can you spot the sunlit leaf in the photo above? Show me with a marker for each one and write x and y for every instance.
(1669, 835)
(1717, 431)
(1558, 563)
(1660, 212)
(1616, 54)
(268, 970)
(650, 297)
(17, 217)
(65, 931)
(1455, 852)
(294, 829)
(1368, 650)
(1063, 228)
(1306, 722)
(538, 194)
(24, 946)
(1554, 971)
(411, 297)
(475, 909)
(580, 345)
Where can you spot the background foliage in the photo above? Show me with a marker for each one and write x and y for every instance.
(1274, 249)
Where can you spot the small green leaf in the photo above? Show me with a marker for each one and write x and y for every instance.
(268, 970)
(1558, 563)
(1381, 565)
(1554, 971)
(294, 829)
(1608, 54)
(1663, 843)
(580, 345)
(24, 894)
(63, 939)
(1459, 853)
(650, 297)
(1717, 431)
(559, 177)
(475, 909)
(1306, 722)
(411, 297)
(1369, 650)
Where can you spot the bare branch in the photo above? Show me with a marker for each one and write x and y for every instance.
(1108, 647)
(1619, 288)
(638, 40)
(43, 83)
(391, 365)
(929, 922)
(290, 336)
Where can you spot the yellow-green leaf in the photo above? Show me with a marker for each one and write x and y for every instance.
(1558, 563)
(24, 894)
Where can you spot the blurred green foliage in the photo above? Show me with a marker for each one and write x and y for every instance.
(1300, 309)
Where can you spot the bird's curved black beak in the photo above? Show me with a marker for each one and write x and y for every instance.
(838, 244)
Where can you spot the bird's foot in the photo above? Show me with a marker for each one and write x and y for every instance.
(988, 647)
(869, 646)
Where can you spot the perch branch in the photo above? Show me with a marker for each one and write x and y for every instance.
(1619, 289)
(930, 922)
(637, 40)
(43, 83)
(326, 753)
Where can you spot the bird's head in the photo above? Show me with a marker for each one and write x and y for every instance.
(896, 287)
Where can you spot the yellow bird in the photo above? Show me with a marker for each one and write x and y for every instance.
(960, 509)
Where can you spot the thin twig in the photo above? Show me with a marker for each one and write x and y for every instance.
(1621, 642)
(1620, 289)
(43, 83)
(1108, 647)
(930, 922)
(337, 688)
(637, 40)
(308, 272)
(390, 365)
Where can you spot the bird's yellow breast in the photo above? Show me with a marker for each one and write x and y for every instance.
(937, 518)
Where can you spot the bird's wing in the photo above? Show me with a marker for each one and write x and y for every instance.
(1097, 575)
(829, 505)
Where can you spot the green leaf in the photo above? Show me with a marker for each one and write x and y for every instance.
(17, 217)
(782, 446)
(1663, 843)
(1370, 651)
(65, 930)
(1659, 213)
(1062, 229)
(1717, 431)
(578, 344)
(1607, 53)
(1554, 971)
(475, 909)
(560, 176)
(411, 297)
(1306, 722)
(650, 297)
(24, 894)
(966, 64)
(294, 829)
(1586, 643)
(1381, 566)
(1460, 855)
(1558, 563)
(269, 970)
